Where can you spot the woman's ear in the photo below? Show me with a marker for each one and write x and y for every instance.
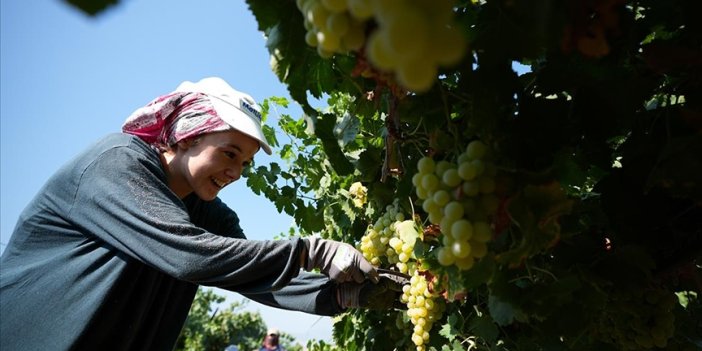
(188, 143)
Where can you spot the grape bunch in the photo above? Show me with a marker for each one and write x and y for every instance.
(359, 194)
(414, 38)
(424, 307)
(374, 244)
(390, 240)
(334, 26)
(637, 319)
(410, 39)
(402, 244)
(459, 197)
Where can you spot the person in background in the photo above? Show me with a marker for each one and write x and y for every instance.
(271, 342)
(111, 251)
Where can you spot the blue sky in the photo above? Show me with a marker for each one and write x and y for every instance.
(67, 79)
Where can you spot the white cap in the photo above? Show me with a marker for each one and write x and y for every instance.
(237, 109)
(273, 331)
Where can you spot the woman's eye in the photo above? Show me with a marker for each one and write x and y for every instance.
(230, 154)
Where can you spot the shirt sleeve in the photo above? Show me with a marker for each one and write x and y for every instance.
(122, 199)
(309, 292)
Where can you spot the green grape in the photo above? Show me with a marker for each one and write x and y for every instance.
(429, 205)
(402, 267)
(426, 165)
(385, 9)
(446, 225)
(453, 210)
(467, 171)
(309, 26)
(355, 37)
(407, 32)
(421, 192)
(338, 23)
(461, 230)
(335, 6)
(441, 11)
(407, 248)
(328, 41)
(361, 9)
(430, 182)
(471, 188)
(476, 150)
(482, 232)
(311, 38)
(447, 240)
(416, 74)
(465, 263)
(448, 44)
(435, 217)
(441, 197)
(378, 53)
(317, 14)
(395, 243)
(445, 256)
(442, 166)
(417, 178)
(479, 166)
(460, 249)
(451, 177)
(323, 53)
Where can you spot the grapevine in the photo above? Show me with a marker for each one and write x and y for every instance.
(549, 152)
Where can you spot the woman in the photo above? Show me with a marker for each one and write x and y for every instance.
(111, 251)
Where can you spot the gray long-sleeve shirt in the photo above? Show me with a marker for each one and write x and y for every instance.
(107, 257)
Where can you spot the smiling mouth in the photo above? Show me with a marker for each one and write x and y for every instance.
(219, 183)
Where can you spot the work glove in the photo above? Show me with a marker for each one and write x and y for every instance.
(375, 296)
(339, 261)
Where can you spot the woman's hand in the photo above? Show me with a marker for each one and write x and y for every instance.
(339, 261)
(376, 296)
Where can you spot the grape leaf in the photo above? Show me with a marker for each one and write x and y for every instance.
(451, 329)
(92, 7)
(502, 312)
(407, 231)
(484, 327)
(324, 130)
(346, 128)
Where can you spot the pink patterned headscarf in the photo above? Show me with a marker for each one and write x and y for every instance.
(174, 117)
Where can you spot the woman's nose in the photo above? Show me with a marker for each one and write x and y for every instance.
(233, 173)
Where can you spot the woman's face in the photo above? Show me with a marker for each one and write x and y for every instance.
(206, 164)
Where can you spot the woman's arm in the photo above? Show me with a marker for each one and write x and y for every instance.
(122, 199)
(309, 292)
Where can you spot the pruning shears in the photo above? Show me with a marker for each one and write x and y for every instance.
(395, 276)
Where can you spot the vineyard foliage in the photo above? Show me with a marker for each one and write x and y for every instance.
(534, 165)
(214, 328)
(576, 221)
